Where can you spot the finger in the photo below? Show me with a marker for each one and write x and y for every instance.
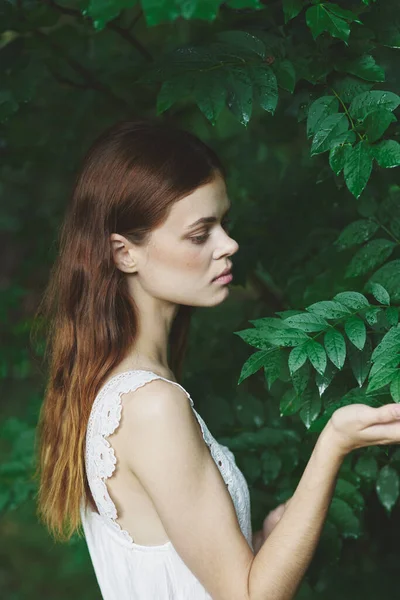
(386, 414)
(384, 433)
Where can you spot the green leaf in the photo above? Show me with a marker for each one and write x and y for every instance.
(320, 109)
(271, 464)
(297, 358)
(290, 403)
(311, 408)
(317, 355)
(364, 67)
(369, 256)
(343, 516)
(392, 315)
(289, 313)
(300, 378)
(395, 387)
(367, 102)
(337, 157)
(371, 315)
(323, 381)
(332, 131)
(348, 492)
(272, 367)
(268, 323)
(253, 364)
(356, 331)
(395, 226)
(157, 12)
(210, 96)
(390, 341)
(103, 11)
(387, 153)
(238, 4)
(335, 347)
(342, 12)
(376, 123)
(291, 8)
(307, 322)
(285, 74)
(379, 293)
(319, 19)
(174, 90)
(328, 309)
(285, 337)
(357, 168)
(387, 487)
(265, 87)
(243, 39)
(165, 11)
(240, 93)
(389, 277)
(360, 361)
(253, 337)
(348, 87)
(387, 360)
(352, 300)
(367, 467)
(357, 232)
(381, 379)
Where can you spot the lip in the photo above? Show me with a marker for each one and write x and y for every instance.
(226, 271)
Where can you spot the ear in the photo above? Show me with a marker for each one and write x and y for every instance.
(122, 252)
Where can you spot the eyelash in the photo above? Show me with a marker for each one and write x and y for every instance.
(201, 239)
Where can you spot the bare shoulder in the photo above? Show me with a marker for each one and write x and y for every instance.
(157, 400)
(164, 448)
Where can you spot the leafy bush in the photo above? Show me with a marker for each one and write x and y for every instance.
(300, 101)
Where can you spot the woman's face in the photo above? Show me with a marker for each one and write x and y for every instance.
(184, 255)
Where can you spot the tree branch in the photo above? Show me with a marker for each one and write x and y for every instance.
(65, 80)
(86, 75)
(113, 25)
(129, 37)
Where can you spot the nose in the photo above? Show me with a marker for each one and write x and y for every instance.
(230, 247)
(234, 246)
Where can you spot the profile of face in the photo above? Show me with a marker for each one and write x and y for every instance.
(184, 254)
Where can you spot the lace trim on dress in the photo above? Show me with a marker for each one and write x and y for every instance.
(101, 460)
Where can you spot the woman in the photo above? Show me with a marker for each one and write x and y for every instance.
(122, 450)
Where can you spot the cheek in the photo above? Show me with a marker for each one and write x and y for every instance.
(178, 261)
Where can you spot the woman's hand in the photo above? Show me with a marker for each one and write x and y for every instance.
(269, 523)
(353, 426)
(359, 425)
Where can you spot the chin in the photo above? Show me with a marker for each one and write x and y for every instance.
(220, 295)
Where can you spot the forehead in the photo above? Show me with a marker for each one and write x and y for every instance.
(209, 199)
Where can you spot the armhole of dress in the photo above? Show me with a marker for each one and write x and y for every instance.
(100, 456)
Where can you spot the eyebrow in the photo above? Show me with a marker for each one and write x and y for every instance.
(208, 220)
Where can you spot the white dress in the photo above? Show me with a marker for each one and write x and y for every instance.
(126, 570)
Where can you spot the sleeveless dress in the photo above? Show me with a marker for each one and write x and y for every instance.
(126, 570)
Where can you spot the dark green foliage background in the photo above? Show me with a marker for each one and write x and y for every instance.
(300, 100)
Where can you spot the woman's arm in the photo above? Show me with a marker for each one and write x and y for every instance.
(280, 564)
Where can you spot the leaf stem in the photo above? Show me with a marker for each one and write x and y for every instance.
(396, 239)
(353, 127)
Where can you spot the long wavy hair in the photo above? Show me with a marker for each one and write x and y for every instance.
(129, 179)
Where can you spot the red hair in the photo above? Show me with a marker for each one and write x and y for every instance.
(129, 179)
